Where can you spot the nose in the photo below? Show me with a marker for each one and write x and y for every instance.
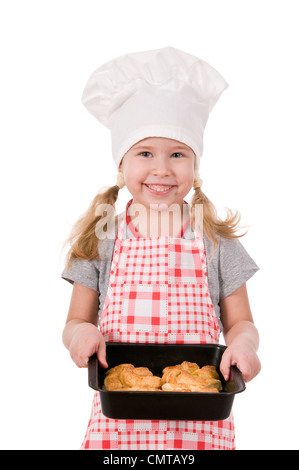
(161, 167)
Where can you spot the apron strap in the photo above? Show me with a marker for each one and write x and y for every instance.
(136, 234)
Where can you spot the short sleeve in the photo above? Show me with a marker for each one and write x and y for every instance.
(235, 266)
(85, 272)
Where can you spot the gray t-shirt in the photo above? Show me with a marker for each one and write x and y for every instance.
(228, 269)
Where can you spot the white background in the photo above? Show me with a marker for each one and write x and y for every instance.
(55, 157)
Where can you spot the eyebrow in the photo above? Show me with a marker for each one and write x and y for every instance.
(150, 147)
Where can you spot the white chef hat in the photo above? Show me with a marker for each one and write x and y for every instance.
(159, 93)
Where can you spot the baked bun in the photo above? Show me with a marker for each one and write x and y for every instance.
(126, 376)
(189, 377)
(184, 377)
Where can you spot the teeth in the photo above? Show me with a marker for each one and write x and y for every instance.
(159, 188)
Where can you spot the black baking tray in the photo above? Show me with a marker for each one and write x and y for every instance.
(147, 405)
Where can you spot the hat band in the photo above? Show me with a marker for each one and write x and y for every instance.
(169, 132)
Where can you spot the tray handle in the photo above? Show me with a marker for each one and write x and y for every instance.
(236, 382)
(93, 372)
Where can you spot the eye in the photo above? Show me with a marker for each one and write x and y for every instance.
(145, 154)
(177, 155)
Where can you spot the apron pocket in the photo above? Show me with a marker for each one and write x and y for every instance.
(185, 264)
(144, 308)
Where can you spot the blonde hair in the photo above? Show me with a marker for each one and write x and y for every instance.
(83, 239)
(213, 226)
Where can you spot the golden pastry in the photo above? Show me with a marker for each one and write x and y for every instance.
(188, 376)
(137, 389)
(169, 387)
(184, 377)
(126, 376)
(172, 387)
(133, 378)
(112, 379)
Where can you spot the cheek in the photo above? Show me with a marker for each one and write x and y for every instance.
(133, 175)
(187, 177)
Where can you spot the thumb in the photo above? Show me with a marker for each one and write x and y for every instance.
(101, 354)
(225, 364)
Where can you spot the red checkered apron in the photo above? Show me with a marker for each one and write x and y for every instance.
(158, 293)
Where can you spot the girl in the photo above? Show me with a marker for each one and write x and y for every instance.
(156, 105)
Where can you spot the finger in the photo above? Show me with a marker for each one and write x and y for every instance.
(83, 362)
(102, 360)
(225, 365)
(80, 361)
(101, 353)
(245, 371)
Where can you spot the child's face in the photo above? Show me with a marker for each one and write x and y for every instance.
(159, 171)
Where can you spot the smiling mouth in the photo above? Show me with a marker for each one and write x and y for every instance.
(160, 188)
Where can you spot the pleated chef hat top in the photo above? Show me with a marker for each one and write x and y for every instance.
(159, 93)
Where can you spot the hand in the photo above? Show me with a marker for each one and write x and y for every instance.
(244, 357)
(86, 341)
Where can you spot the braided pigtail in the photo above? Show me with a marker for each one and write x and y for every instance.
(86, 232)
(213, 226)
